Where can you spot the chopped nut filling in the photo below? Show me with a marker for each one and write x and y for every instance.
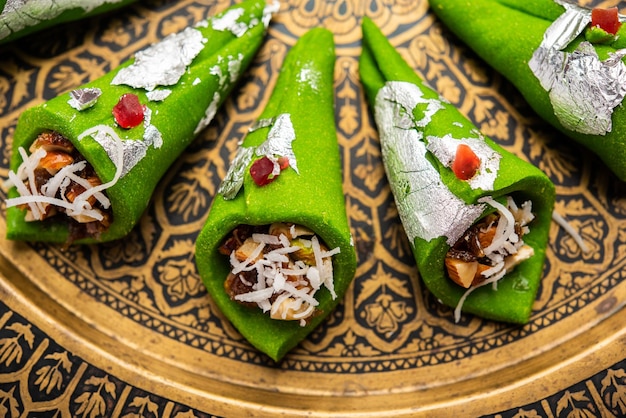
(278, 268)
(492, 246)
(55, 180)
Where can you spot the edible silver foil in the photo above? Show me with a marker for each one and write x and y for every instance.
(209, 114)
(81, 99)
(164, 63)
(19, 14)
(279, 140)
(583, 89)
(309, 75)
(445, 150)
(261, 123)
(133, 150)
(110, 141)
(152, 136)
(233, 181)
(158, 95)
(269, 10)
(230, 21)
(233, 67)
(427, 208)
(278, 143)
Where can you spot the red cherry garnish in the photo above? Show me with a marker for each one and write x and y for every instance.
(261, 171)
(128, 112)
(606, 19)
(465, 163)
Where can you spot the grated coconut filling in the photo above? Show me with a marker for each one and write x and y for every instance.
(507, 249)
(284, 286)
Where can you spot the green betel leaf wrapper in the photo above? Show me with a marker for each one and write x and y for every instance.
(180, 82)
(572, 82)
(19, 18)
(418, 129)
(298, 123)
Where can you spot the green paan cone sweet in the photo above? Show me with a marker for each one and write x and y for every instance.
(454, 188)
(286, 174)
(19, 18)
(129, 125)
(561, 66)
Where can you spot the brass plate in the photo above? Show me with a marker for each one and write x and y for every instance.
(127, 329)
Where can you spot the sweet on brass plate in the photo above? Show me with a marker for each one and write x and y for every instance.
(127, 328)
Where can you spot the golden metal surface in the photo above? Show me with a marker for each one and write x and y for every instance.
(127, 329)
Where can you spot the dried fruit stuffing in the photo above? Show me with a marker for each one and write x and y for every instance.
(278, 268)
(492, 246)
(55, 180)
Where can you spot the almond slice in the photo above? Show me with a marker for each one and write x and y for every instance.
(479, 278)
(247, 248)
(55, 160)
(524, 253)
(485, 236)
(290, 309)
(76, 190)
(461, 272)
(52, 141)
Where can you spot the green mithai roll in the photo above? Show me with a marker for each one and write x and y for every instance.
(477, 217)
(567, 62)
(85, 163)
(19, 18)
(276, 252)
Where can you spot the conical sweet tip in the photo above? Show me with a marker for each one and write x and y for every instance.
(421, 137)
(297, 124)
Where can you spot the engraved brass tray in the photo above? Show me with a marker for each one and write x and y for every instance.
(127, 328)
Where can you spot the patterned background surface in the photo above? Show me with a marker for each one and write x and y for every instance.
(127, 329)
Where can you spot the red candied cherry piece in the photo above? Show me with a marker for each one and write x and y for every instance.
(261, 171)
(128, 112)
(606, 19)
(465, 163)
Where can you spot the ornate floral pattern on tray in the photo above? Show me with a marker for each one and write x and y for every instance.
(127, 328)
